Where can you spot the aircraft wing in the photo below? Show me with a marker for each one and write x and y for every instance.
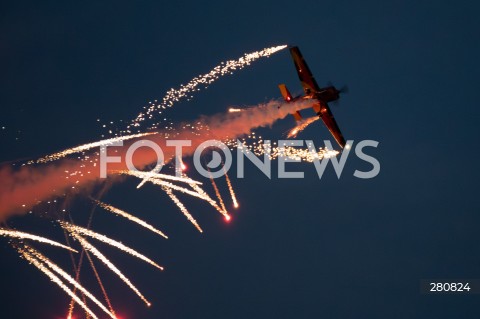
(304, 74)
(327, 118)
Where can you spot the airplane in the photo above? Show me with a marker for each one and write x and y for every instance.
(312, 91)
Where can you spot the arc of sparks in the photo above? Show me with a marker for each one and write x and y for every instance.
(22, 235)
(185, 90)
(86, 147)
(74, 229)
(128, 216)
(40, 266)
(182, 208)
(111, 266)
(68, 278)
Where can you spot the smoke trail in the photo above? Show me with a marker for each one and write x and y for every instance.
(23, 188)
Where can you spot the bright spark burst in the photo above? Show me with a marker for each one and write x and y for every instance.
(22, 235)
(99, 281)
(130, 217)
(74, 229)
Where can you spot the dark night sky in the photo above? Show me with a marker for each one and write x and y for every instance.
(310, 248)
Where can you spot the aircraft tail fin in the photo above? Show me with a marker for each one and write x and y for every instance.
(285, 93)
(288, 98)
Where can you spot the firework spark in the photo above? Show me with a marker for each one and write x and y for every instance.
(301, 126)
(219, 196)
(128, 216)
(34, 261)
(74, 229)
(273, 152)
(22, 235)
(25, 187)
(230, 188)
(240, 122)
(200, 190)
(110, 265)
(147, 176)
(161, 182)
(100, 283)
(182, 208)
(201, 81)
(86, 147)
(68, 278)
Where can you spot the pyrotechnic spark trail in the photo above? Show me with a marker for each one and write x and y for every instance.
(274, 152)
(34, 184)
(230, 188)
(110, 265)
(155, 170)
(175, 95)
(76, 271)
(219, 196)
(68, 278)
(22, 235)
(302, 154)
(128, 216)
(182, 208)
(161, 182)
(74, 229)
(34, 261)
(86, 147)
(301, 126)
(152, 175)
(200, 190)
(226, 125)
(78, 268)
(99, 281)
